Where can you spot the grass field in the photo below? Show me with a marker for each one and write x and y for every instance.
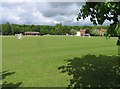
(34, 61)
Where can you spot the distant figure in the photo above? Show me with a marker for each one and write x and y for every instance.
(67, 34)
(20, 36)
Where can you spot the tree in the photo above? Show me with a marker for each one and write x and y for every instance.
(17, 30)
(6, 29)
(0, 29)
(101, 11)
(59, 29)
(36, 29)
(66, 30)
(43, 32)
(73, 32)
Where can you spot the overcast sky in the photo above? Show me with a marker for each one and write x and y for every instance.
(42, 12)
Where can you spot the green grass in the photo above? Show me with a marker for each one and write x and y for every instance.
(35, 59)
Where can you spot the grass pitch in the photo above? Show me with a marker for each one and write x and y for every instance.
(34, 60)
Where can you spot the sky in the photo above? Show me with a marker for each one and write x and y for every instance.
(42, 12)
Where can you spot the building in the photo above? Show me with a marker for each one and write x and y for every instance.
(101, 32)
(31, 33)
(78, 33)
(84, 32)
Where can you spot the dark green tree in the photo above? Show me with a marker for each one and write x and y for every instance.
(66, 30)
(73, 32)
(36, 28)
(0, 29)
(6, 29)
(59, 29)
(101, 11)
(43, 31)
(17, 30)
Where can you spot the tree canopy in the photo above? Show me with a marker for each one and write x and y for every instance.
(101, 11)
(58, 29)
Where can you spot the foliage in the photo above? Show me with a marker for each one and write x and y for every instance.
(94, 32)
(72, 32)
(92, 71)
(101, 11)
(117, 28)
(58, 29)
(6, 29)
(7, 84)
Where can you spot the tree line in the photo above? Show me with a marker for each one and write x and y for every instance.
(58, 29)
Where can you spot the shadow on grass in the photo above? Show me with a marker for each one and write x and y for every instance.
(92, 71)
(8, 85)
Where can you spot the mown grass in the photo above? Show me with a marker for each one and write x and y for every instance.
(35, 59)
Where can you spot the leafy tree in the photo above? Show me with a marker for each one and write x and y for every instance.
(66, 30)
(43, 31)
(0, 29)
(36, 29)
(17, 30)
(94, 32)
(101, 11)
(59, 29)
(52, 32)
(72, 32)
(6, 29)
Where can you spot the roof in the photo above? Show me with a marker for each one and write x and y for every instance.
(31, 32)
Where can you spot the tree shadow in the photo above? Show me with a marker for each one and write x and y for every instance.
(6, 84)
(92, 71)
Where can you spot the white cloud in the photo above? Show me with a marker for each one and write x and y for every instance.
(39, 18)
(43, 0)
(16, 18)
(45, 13)
(37, 14)
(56, 22)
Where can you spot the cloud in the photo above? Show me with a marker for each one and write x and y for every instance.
(42, 13)
(60, 8)
(56, 22)
(44, 1)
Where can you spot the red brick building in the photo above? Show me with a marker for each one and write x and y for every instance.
(31, 33)
(101, 32)
(84, 32)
